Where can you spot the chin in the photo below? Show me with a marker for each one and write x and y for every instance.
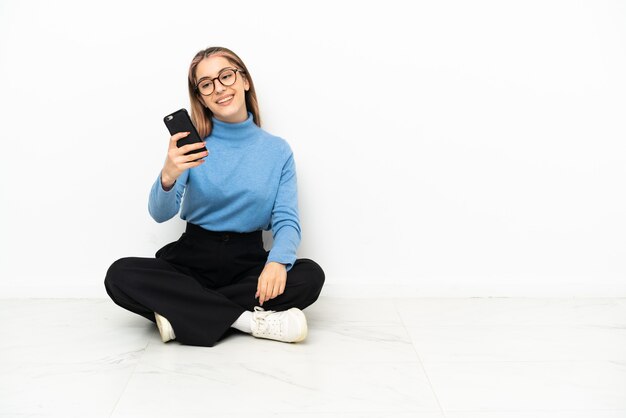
(228, 113)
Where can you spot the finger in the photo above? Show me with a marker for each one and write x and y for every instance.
(192, 157)
(185, 166)
(182, 156)
(197, 163)
(268, 293)
(177, 136)
(275, 290)
(258, 288)
(191, 147)
(263, 293)
(182, 159)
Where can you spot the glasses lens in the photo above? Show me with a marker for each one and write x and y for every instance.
(228, 77)
(205, 87)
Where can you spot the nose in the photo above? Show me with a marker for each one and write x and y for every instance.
(219, 87)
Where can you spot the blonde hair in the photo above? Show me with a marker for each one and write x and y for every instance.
(200, 114)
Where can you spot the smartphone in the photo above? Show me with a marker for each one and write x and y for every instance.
(180, 121)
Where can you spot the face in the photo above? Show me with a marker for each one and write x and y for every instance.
(234, 110)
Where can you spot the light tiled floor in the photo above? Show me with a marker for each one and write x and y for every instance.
(454, 358)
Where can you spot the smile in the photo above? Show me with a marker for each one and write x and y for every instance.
(225, 100)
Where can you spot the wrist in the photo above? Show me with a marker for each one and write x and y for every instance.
(166, 181)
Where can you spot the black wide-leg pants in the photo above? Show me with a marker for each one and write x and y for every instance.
(204, 281)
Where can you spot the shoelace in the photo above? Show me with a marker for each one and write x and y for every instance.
(266, 326)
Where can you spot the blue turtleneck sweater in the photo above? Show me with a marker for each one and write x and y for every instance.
(247, 183)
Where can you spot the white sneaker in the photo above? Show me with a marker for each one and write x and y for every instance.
(165, 328)
(287, 326)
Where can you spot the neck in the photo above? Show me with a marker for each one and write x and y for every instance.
(239, 131)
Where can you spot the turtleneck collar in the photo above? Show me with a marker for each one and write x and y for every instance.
(239, 132)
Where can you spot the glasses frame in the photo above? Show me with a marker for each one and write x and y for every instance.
(212, 80)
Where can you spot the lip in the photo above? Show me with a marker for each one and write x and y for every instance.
(228, 102)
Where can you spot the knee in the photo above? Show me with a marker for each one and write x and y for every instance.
(117, 270)
(315, 274)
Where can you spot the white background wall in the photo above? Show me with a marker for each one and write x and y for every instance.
(442, 148)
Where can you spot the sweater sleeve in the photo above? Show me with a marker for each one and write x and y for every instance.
(285, 222)
(164, 205)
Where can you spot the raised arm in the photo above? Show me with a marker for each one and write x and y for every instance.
(168, 189)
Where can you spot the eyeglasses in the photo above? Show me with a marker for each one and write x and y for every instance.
(227, 77)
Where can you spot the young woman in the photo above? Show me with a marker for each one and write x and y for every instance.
(218, 275)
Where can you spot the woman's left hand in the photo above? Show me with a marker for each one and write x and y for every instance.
(272, 282)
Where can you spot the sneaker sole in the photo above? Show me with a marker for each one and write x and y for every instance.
(164, 327)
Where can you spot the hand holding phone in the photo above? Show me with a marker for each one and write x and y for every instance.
(186, 148)
(180, 121)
